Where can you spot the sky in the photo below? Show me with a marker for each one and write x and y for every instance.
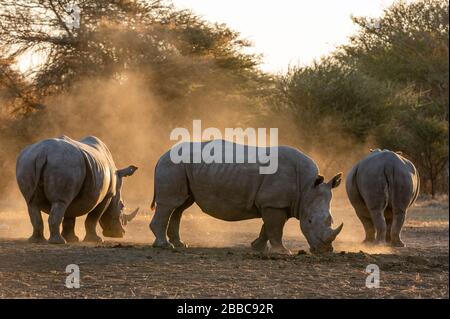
(288, 32)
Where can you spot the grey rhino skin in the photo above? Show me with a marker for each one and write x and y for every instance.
(67, 179)
(381, 187)
(237, 191)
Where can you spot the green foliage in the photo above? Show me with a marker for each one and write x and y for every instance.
(408, 43)
(330, 89)
(423, 138)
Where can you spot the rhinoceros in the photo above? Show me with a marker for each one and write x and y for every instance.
(67, 179)
(381, 187)
(237, 191)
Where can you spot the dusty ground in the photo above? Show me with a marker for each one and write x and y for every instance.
(220, 264)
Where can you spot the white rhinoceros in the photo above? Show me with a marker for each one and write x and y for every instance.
(66, 179)
(381, 187)
(237, 191)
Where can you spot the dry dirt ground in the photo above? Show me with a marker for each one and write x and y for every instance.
(220, 264)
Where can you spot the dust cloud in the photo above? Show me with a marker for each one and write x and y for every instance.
(135, 124)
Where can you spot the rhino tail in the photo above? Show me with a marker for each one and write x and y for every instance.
(417, 190)
(29, 182)
(41, 161)
(153, 205)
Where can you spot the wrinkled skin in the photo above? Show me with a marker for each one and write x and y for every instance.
(381, 187)
(67, 179)
(237, 191)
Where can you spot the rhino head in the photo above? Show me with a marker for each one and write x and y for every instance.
(114, 219)
(315, 216)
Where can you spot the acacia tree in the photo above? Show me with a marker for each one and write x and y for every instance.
(178, 51)
(17, 96)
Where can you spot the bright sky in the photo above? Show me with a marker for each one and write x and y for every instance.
(288, 32)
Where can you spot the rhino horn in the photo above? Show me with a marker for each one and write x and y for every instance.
(333, 234)
(131, 216)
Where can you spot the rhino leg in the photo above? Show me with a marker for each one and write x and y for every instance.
(173, 231)
(54, 221)
(91, 222)
(362, 212)
(388, 229)
(260, 243)
(68, 231)
(274, 220)
(159, 225)
(369, 230)
(397, 223)
(388, 217)
(380, 225)
(38, 226)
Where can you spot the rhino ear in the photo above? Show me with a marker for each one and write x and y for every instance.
(335, 181)
(126, 171)
(319, 180)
